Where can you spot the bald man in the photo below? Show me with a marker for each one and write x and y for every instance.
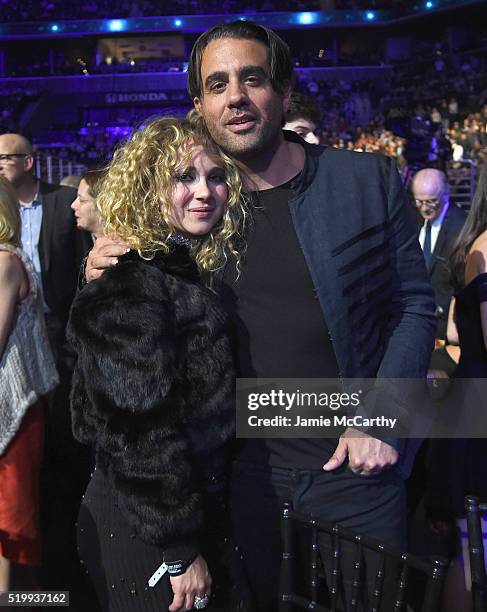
(441, 224)
(51, 239)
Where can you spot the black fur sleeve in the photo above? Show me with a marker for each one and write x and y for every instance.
(122, 329)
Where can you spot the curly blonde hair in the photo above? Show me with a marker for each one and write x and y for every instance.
(135, 196)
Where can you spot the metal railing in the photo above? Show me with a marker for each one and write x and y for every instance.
(53, 169)
(461, 178)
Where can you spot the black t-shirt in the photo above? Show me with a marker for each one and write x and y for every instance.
(278, 324)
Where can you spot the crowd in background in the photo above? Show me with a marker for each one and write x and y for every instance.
(443, 130)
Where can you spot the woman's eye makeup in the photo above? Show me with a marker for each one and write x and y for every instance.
(185, 176)
(217, 177)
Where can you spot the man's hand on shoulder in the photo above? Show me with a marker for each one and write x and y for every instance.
(103, 255)
(366, 455)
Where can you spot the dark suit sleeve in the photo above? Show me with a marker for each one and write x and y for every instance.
(121, 327)
(411, 329)
(410, 332)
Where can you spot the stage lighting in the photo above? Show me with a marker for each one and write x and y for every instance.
(306, 18)
(429, 4)
(370, 15)
(54, 27)
(117, 25)
(178, 23)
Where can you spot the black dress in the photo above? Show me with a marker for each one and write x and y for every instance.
(458, 464)
(473, 360)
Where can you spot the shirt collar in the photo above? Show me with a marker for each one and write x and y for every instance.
(439, 220)
(37, 201)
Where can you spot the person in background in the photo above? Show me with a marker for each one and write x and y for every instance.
(27, 374)
(441, 223)
(71, 180)
(56, 248)
(303, 117)
(84, 206)
(458, 465)
(49, 235)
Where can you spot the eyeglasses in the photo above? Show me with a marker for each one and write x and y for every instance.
(9, 158)
(432, 203)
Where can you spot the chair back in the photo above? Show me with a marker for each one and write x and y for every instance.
(433, 571)
(475, 511)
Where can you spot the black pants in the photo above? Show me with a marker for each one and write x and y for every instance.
(374, 506)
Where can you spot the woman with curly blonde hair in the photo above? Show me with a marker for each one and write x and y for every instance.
(153, 387)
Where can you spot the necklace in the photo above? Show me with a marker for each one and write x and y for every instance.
(181, 240)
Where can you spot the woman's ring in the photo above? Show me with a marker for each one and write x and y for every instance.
(200, 603)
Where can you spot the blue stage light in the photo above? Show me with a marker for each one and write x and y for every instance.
(306, 18)
(370, 15)
(178, 23)
(54, 27)
(117, 25)
(429, 4)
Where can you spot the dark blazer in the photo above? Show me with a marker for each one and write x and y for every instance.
(61, 249)
(153, 393)
(439, 269)
(360, 242)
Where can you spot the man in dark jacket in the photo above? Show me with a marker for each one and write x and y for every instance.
(333, 284)
(442, 222)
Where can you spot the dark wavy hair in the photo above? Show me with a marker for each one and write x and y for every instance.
(302, 107)
(94, 179)
(280, 62)
(475, 224)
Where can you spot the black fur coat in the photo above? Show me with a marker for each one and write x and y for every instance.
(153, 393)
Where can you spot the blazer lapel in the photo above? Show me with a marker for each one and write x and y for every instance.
(317, 247)
(47, 227)
(440, 242)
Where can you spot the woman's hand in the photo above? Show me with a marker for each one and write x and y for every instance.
(104, 254)
(196, 581)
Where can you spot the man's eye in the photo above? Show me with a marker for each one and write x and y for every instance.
(220, 86)
(253, 80)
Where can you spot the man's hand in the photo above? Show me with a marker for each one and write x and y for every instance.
(103, 255)
(366, 455)
(196, 581)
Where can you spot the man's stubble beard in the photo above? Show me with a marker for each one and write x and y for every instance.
(247, 146)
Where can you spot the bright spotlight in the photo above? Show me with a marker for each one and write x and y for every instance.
(117, 25)
(306, 18)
